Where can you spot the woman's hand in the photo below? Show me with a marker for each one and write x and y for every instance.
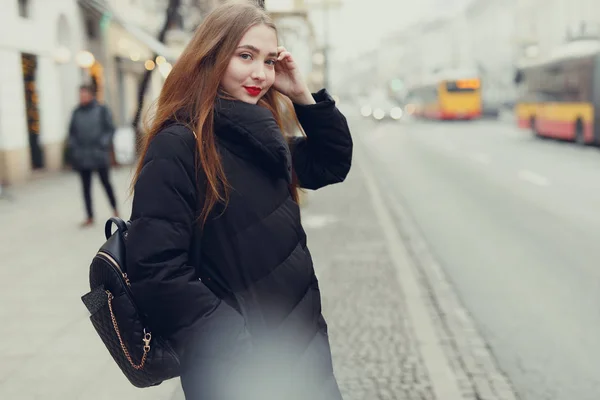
(288, 79)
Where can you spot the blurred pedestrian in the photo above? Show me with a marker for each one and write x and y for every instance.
(216, 253)
(90, 137)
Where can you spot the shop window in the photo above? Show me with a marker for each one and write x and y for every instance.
(177, 22)
(91, 28)
(29, 66)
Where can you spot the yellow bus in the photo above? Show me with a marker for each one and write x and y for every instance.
(447, 99)
(560, 97)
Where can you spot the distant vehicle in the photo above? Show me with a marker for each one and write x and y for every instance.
(559, 97)
(451, 95)
(379, 107)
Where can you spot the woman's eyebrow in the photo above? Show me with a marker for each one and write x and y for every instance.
(255, 49)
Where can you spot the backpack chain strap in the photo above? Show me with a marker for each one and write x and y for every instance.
(147, 337)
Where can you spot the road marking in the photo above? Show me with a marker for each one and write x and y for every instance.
(532, 177)
(443, 379)
(481, 158)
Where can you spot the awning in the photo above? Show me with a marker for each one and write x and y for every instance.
(100, 9)
(152, 43)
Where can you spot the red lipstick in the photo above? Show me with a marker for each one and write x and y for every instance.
(253, 90)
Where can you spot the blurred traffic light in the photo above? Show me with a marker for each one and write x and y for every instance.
(105, 20)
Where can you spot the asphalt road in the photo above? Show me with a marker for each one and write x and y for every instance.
(515, 223)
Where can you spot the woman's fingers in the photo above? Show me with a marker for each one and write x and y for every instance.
(284, 55)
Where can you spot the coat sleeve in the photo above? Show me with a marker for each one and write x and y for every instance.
(109, 126)
(163, 219)
(324, 156)
(72, 140)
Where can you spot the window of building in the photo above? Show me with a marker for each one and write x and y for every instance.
(91, 26)
(177, 21)
(24, 11)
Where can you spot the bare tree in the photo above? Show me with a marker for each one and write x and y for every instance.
(172, 18)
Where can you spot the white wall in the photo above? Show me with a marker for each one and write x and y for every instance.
(13, 126)
(37, 35)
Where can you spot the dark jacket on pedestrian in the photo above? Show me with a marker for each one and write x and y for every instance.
(239, 299)
(90, 136)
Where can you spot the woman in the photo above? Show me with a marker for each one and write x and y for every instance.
(216, 251)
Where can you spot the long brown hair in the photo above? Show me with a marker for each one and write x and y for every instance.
(191, 87)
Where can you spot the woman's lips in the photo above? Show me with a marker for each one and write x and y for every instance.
(253, 91)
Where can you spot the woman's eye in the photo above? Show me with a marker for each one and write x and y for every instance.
(246, 56)
(271, 62)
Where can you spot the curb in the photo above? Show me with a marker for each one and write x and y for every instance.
(472, 365)
(443, 379)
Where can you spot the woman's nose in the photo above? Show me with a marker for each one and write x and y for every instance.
(259, 74)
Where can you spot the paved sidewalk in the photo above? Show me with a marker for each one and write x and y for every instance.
(49, 349)
(376, 354)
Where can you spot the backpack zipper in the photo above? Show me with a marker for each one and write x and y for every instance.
(114, 263)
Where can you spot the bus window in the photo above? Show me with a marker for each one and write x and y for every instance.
(466, 85)
(462, 86)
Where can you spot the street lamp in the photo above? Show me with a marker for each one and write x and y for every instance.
(85, 59)
(149, 65)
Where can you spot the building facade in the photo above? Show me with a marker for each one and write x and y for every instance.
(476, 36)
(492, 39)
(38, 82)
(543, 26)
(438, 42)
(296, 32)
(49, 48)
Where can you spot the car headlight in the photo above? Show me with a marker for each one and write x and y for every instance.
(396, 113)
(366, 111)
(378, 114)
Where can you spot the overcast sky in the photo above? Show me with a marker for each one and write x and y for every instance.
(358, 25)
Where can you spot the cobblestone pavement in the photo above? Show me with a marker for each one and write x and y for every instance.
(375, 351)
(475, 367)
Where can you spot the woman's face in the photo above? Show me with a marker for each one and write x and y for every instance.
(251, 70)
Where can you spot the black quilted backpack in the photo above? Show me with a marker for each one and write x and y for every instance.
(145, 359)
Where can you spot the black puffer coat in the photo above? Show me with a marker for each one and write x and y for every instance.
(91, 133)
(239, 300)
